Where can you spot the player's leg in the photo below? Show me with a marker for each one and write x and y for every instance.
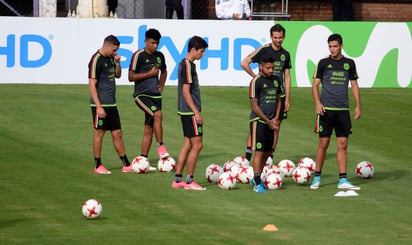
(341, 154)
(158, 132)
(249, 151)
(192, 157)
(117, 136)
(97, 144)
(99, 125)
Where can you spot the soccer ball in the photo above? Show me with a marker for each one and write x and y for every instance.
(92, 209)
(213, 171)
(166, 165)
(287, 166)
(365, 170)
(308, 163)
(227, 181)
(246, 174)
(277, 170)
(269, 162)
(241, 160)
(140, 164)
(235, 170)
(273, 181)
(301, 175)
(228, 165)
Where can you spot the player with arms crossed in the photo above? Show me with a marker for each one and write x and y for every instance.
(104, 68)
(144, 69)
(282, 66)
(265, 101)
(332, 108)
(189, 108)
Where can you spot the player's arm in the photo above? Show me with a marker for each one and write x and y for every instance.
(356, 95)
(245, 64)
(287, 89)
(189, 101)
(135, 76)
(118, 70)
(320, 109)
(162, 80)
(93, 92)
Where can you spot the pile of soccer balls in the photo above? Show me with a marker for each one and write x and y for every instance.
(141, 165)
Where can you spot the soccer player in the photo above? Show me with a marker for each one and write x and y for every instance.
(104, 67)
(265, 101)
(282, 66)
(189, 108)
(332, 107)
(145, 66)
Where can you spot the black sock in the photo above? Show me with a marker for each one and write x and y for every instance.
(248, 153)
(317, 173)
(189, 179)
(160, 143)
(97, 161)
(342, 175)
(125, 161)
(178, 178)
(143, 155)
(256, 178)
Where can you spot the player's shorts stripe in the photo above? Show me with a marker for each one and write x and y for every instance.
(317, 124)
(195, 125)
(253, 135)
(96, 121)
(143, 106)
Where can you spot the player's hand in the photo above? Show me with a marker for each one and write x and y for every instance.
(154, 72)
(117, 58)
(357, 113)
(160, 89)
(199, 119)
(101, 113)
(320, 109)
(274, 124)
(287, 106)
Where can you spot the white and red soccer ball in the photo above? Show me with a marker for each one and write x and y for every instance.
(227, 166)
(213, 171)
(140, 164)
(92, 209)
(235, 171)
(273, 181)
(246, 174)
(166, 165)
(269, 162)
(227, 181)
(364, 170)
(301, 175)
(241, 160)
(287, 166)
(308, 163)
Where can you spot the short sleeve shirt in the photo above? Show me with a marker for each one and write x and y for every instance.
(103, 69)
(281, 57)
(265, 90)
(335, 76)
(143, 62)
(187, 75)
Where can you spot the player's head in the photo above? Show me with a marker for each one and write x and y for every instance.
(110, 46)
(197, 47)
(152, 38)
(335, 44)
(277, 34)
(266, 65)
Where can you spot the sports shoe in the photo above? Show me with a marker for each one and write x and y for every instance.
(345, 184)
(101, 170)
(259, 188)
(128, 169)
(161, 150)
(177, 185)
(194, 186)
(152, 168)
(315, 183)
(252, 181)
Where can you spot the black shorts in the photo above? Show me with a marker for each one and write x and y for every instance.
(283, 114)
(149, 105)
(110, 122)
(338, 120)
(190, 127)
(261, 136)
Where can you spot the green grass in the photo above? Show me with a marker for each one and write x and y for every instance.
(46, 173)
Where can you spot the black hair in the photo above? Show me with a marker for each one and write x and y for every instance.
(153, 34)
(112, 40)
(266, 59)
(197, 43)
(335, 37)
(277, 28)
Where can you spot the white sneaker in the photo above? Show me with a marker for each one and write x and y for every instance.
(152, 168)
(345, 184)
(351, 193)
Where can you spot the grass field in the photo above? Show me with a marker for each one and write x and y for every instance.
(46, 173)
